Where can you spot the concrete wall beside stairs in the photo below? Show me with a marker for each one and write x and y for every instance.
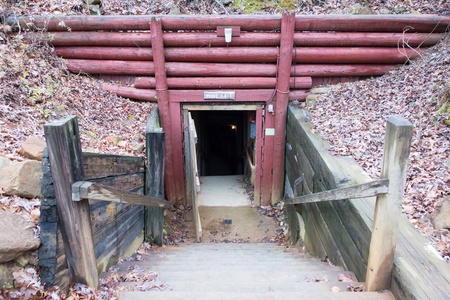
(341, 230)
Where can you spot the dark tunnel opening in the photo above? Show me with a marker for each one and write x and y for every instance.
(222, 138)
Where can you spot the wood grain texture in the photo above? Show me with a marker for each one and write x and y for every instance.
(345, 23)
(363, 190)
(282, 100)
(388, 208)
(220, 83)
(87, 190)
(103, 165)
(321, 55)
(154, 181)
(164, 109)
(199, 69)
(248, 39)
(63, 143)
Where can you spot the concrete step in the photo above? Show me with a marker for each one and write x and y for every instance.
(212, 264)
(239, 286)
(247, 271)
(220, 277)
(251, 296)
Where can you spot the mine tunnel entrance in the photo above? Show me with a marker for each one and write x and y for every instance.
(222, 139)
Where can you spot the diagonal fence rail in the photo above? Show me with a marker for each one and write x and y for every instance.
(389, 191)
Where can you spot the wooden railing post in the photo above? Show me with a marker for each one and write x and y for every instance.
(64, 150)
(154, 178)
(388, 207)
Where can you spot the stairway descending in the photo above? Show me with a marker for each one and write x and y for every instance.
(240, 271)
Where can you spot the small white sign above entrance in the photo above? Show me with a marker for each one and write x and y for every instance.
(270, 131)
(219, 95)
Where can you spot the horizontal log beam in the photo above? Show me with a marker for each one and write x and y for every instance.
(247, 39)
(354, 55)
(129, 92)
(373, 23)
(88, 190)
(364, 190)
(146, 68)
(221, 83)
(348, 55)
(345, 23)
(253, 95)
(169, 23)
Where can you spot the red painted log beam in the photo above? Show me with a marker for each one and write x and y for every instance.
(375, 23)
(146, 68)
(169, 23)
(129, 92)
(164, 109)
(282, 100)
(345, 23)
(181, 96)
(332, 55)
(221, 83)
(261, 39)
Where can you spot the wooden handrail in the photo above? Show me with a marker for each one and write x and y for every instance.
(364, 190)
(88, 190)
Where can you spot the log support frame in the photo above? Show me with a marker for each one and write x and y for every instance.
(174, 178)
(282, 100)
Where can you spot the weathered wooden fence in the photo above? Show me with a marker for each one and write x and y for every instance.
(346, 231)
(87, 227)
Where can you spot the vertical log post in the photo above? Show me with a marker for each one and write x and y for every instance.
(64, 150)
(163, 104)
(284, 74)
(388, 207)
(154, 178)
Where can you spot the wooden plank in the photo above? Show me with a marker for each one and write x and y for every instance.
(154, 181)
(302, 160)
(312, 241)
(103, 165)
(282, 100)
(294, 173)
(210, 107)
(133, 182)
(388, 208)
(110, 233)
(356, 225)
(178, 157)
(419, 272)
(350, 254)
(109, 241)
(64, 147)
(87, 190)
(191, 165)
(363, 190)
(258, 156)
(190, 176)
(331, 248)
(267, 163)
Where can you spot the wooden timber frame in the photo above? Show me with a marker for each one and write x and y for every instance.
(73, 193)
(270, 60)
(389, 191)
